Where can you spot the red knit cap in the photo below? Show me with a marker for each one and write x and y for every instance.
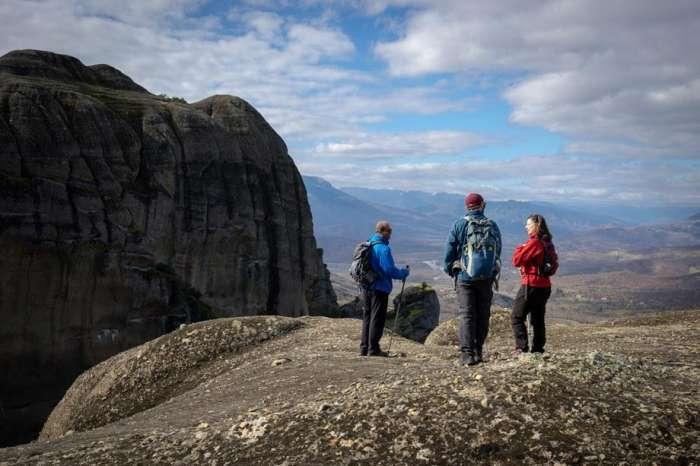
(473, 200)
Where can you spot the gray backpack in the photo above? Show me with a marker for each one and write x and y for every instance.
(361, 266)
(478, 255)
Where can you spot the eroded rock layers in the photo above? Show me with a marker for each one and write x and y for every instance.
(123, 213)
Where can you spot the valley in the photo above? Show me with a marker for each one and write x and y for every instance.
(607, 268)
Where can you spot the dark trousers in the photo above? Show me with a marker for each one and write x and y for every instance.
(474, 311)
(533, 301)
(373, 319)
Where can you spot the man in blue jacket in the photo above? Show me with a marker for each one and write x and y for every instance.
(376, 297)
(472, 254)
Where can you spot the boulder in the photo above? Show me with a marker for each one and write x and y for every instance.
(502, 301)
(500, 331)
(123, 214)
(158, 370)
(419, 313)
(352, 309)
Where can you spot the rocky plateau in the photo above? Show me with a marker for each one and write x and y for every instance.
(278, 390)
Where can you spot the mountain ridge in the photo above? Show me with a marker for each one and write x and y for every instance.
(421, 220)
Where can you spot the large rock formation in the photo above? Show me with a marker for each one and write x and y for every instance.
(123, 213)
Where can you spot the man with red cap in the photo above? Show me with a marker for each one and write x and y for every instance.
(473, 257)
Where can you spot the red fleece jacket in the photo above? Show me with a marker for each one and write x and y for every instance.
(528, 257)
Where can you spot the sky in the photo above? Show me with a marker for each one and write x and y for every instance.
(594, 101)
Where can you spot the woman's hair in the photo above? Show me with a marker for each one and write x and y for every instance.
(542, 228)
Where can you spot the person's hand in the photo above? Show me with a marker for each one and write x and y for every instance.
(406, 272)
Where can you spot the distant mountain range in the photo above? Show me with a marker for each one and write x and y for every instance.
(641, 237)
(510, 215)
(421, 221)
(341, 220)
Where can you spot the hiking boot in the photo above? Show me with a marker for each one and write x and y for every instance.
(517, 353)
(380, 353)
(479, 356)
(468, 359)
(362, 353)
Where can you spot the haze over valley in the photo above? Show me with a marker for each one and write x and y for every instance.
(608, 265)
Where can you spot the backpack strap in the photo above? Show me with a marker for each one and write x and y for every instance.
(546, 255)
(465, 233)
(372, 244)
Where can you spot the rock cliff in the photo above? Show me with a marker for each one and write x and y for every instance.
(123, 213)
(623, 392)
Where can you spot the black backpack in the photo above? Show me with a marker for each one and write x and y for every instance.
(550, 263)
(361, 266)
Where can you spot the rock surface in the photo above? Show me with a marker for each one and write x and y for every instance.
(352, 309)
(623, 392)
(122, 214)
(500, 333)
(147, 375)
(419, 313)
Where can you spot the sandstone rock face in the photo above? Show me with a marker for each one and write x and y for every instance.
(122, 213)
(419, 313)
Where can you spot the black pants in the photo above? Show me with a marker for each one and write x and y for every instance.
(373, 319)
(533, 301)
(474, 311)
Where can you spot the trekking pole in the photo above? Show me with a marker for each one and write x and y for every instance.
(396, 316)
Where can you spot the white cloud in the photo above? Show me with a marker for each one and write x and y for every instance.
(545, 178)
(293, 71)
(627, 70)
(313, 43)
(132, 11)
(379, 145)
(266, 24)
(340, 112)
(620, 79)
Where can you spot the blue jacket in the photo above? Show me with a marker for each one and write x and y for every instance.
(453, 248)
(383, 265)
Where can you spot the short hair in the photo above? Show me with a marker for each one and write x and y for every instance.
(382, 226)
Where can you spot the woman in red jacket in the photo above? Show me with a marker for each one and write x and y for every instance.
(537, 261)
